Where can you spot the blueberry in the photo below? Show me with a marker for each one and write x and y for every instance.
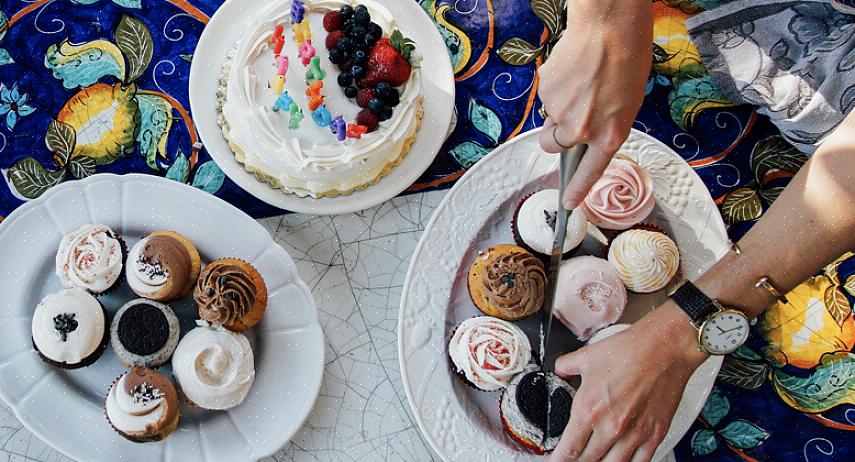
(350, 92)
(344, 44)
(358, 32)
(375, 30)
(348, 25)
(376, 105)
(345, 79)
(346, 11)
(361, 16)
(382, 90)
(392, 99)
(368, 41)
(360, 56)
(336, 56)
(357, 70)
(386, 114)
(361, 8)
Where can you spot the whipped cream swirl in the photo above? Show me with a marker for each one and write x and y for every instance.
(489, 351)
(90, 258)
(142, 403)
(214, 367)
(621, 198)
(645, 260)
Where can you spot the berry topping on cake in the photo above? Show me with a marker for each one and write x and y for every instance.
(351, 92)
(333, 21)
(364, 96)
(368, 119)
(346, 11)
(333, 38)
(345, 79)
(389, 61)
(376, 105)
(361, 15)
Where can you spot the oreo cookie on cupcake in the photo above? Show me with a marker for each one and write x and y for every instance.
(91, 258)
(534, 224)
(524, 409)
(488, 352)
(142, 406)
(645, 258)
(70, 329)
(231, 293)
(163, 266)
(507, 282)
(144, 333)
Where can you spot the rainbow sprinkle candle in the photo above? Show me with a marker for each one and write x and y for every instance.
(322, 117)
(339, 128)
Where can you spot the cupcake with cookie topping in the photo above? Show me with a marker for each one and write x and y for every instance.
(532, 399)
(647, 260)
(144, 333)
(621, 198)
(231, 293)
(91, 258)
(488, 352)
(142, 406)
(163, 266)
(507, 282)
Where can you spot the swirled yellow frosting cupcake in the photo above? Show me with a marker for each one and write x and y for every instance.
(645, 260)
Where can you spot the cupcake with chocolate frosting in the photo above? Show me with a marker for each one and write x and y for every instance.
(91, 258)
(621, 198)
(70, 329)
(524, 409)
(142, 406)
(487, 352)
(231, 293)
(163, 266)
(144, 333)
(646, 260)
(507, 282)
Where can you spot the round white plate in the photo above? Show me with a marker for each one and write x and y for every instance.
(66, 408)
(459, 422)
(220, 36)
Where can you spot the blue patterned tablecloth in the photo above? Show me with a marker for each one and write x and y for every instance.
(91, 86)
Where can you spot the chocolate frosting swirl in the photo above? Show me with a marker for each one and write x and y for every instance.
(160, 268)
(224, 293)
(515, 282)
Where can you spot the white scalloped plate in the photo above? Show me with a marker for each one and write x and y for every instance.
(459, 422)
(65, 408)
(220, 36)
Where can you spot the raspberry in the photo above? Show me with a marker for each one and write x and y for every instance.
(333, 38)
(368, 119)
(333, 21)
(364, 96)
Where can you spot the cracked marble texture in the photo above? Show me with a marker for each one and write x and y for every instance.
(355, 265)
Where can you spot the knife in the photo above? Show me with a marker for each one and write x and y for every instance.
(569, 163)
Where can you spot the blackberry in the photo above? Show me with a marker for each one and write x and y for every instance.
(345, 79)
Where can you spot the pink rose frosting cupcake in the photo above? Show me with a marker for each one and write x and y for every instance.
(590, 295)
(622, 198)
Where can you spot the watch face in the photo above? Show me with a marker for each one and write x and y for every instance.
(724, 332)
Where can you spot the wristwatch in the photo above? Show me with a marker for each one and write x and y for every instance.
(720, 330)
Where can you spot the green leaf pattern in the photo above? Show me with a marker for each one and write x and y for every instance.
(60, 139)
(830, 384)
(180, 168)
(155, 123)
(30, 179)
(485, 120)
(716, 407)
(82, 166)
(468, 153)
(743, 434)
(704, 442)
(518, 52)
(81, 65)
(209, 177)
(134, 39)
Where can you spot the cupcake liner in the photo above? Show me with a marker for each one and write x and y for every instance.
(87, 361)
(520, 242)
(519, 439)
(256, 312)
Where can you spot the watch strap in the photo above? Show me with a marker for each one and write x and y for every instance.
(694, 302)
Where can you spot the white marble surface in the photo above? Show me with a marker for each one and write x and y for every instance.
(355, 265)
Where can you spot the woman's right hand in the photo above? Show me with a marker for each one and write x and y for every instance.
(592, 86)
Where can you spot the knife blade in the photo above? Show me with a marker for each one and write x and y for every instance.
(569, 163)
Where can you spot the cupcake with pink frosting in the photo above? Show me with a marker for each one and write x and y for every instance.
(621, 198)
(590, 295)
(488, 352)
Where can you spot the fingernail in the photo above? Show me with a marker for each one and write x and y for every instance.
(570, 204)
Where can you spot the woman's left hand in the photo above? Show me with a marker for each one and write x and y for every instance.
(631, 386)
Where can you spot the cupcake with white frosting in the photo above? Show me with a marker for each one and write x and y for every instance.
(214, 367)
(142, 406)
(163, 266)
(69, 329)
(488, 352)
(646, 260)
(91, 258)
(533, 224)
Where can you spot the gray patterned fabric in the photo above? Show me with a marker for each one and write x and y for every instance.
(795, 60)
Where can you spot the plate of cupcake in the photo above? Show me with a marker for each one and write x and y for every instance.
(147, 320)
(318, 106)
(469, 317)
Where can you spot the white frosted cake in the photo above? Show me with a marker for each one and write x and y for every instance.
(313, 159)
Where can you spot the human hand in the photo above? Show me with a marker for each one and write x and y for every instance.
(631, 386)
(593, 84)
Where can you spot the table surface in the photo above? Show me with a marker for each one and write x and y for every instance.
(355, 265)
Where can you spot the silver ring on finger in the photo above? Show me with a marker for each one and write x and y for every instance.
(555, 137)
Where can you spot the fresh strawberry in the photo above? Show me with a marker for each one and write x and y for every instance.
(367, 118)
(389, 61)
(333, 38)
(333, 21)
(364, 96)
